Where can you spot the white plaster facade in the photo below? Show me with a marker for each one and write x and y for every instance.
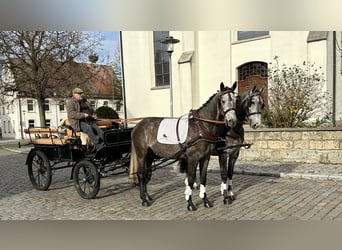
(216, 58)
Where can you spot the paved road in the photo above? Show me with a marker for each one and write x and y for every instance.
(258, 197)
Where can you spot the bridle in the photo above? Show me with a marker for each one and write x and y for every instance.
(248, 98)
(229, 92)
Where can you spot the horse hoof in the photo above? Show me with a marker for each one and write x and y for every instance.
(192, 208)
(228, 200)
(146, 204)
(207, 204)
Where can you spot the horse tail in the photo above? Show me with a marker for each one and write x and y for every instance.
(183, 166)
(133, 167)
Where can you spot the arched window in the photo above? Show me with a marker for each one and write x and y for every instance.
(253, 74)
(252, 69)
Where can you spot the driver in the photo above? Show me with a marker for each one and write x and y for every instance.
(82, 117)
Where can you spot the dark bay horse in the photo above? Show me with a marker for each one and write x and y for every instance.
(249, 108)
(199, 144)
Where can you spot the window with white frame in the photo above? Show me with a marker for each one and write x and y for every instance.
(244, 35)
(9, 127)
(118, 106)
(29, 105)
(31, 123)
(46, 105)
(61, 106)
(92, 104)
(161, 59)
(47, 123)
(105, 103)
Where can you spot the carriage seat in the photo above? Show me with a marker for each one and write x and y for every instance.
(83, 136)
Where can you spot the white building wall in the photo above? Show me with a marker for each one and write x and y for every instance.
(193, 82)
(338, 76)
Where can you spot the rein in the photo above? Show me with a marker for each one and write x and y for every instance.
(208, 120)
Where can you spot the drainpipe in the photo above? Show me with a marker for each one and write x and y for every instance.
(123, 78)
(334, 80)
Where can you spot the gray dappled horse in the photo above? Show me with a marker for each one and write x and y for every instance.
(249, 108)
(198, 146)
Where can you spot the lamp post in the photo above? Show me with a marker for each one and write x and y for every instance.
(170, 41)
(56, 103)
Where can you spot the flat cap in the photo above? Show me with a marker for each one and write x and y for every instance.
(77, 91)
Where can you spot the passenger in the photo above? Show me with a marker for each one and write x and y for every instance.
(82, 117)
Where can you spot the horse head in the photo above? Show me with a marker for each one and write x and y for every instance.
(253, 105)
(227, 104)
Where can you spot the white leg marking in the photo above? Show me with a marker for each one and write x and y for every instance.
(187, 192)
(230, 182)
(202, 191)
(223, 187)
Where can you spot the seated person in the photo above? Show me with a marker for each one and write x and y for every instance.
(82, 117)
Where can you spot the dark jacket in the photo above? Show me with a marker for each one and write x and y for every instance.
(74, 112)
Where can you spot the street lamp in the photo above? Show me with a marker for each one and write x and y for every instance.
(170, 41)
(56, 103)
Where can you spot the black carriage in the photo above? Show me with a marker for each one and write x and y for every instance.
(60, 148)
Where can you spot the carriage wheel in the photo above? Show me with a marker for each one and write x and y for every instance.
(39, 170)
(86, 179)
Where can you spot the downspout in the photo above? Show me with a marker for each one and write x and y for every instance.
(123, 78)
(334, 80)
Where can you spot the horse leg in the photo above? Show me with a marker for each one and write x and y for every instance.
(189, 185)
(231, 163)
(143, 177)
(224, 176)
(188, 193)
(148, 176)
(203, 165)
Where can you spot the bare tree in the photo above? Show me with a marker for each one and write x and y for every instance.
(297, 96)
(42, 62)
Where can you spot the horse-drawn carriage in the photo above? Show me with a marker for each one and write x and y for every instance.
(203, 137)
(60, 148)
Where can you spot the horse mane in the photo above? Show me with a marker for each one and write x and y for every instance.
(209, 100)
(212, 97)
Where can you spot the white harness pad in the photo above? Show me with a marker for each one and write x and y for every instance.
(167, 131)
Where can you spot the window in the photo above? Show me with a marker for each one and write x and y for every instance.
(46, 105)
(47, 123)
(4, 127)
(61, 106)
(31, 123)
(251, 69)
(92, 104)
(9, 127)
(105, 103)
(118, 106)
(243, 35)
(29, 105)
(161, 59)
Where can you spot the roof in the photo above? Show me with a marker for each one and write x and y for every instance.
(97, 81)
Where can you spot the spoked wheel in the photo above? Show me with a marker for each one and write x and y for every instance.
(39, 170)
(86, 179)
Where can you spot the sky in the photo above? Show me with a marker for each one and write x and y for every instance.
(110, 41)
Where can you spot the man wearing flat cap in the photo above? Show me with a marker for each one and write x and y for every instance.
(82, 116)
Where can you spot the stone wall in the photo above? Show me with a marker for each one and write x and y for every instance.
(294, 145)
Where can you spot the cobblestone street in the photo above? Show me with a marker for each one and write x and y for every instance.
(258, 197)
